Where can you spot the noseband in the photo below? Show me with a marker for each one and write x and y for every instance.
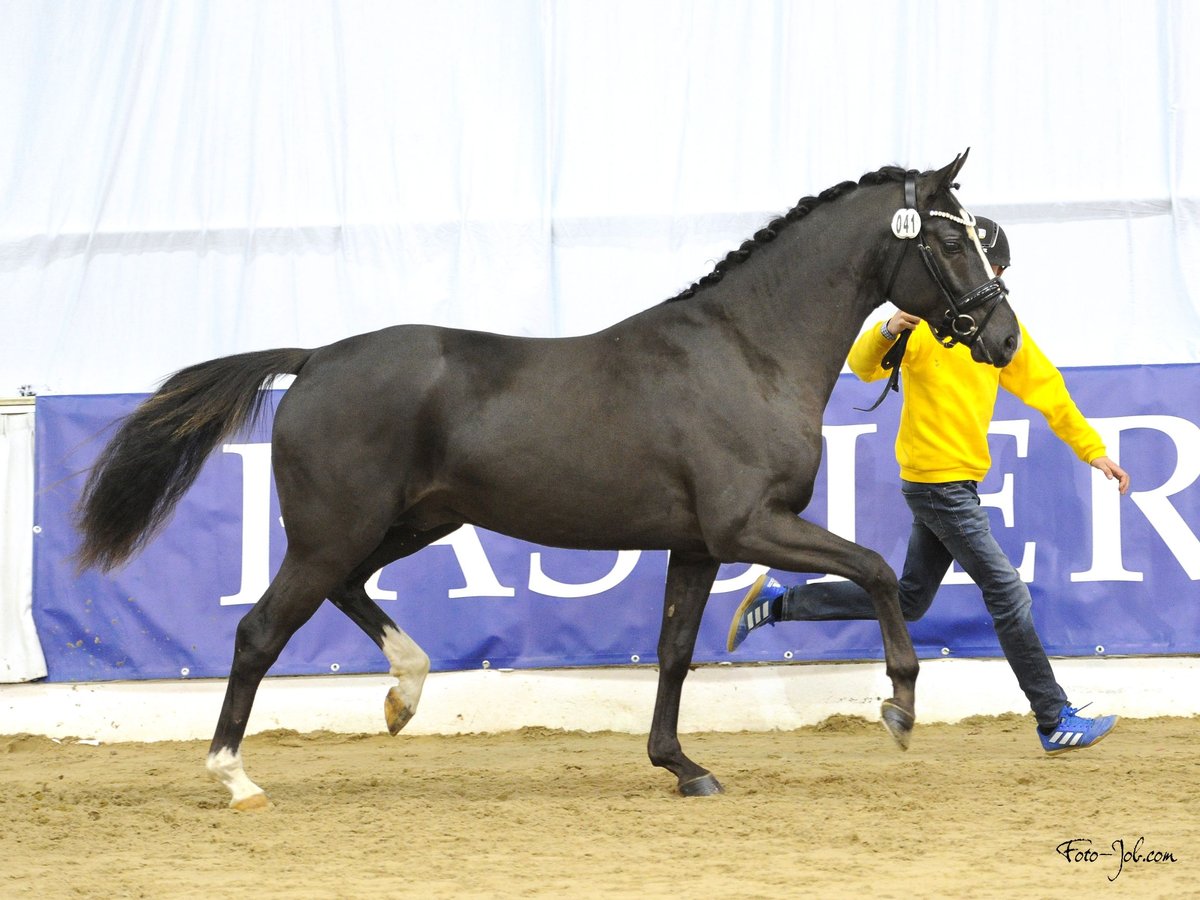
(966, 314)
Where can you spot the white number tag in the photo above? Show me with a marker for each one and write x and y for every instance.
(906, 224)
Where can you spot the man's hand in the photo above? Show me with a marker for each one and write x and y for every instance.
(1111, 470)
(901, 322)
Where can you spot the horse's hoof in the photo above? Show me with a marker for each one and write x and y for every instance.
(253, 803)
(396, 711)
(704, 786)
(899, 723)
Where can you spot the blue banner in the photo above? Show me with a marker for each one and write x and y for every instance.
(1109, 575)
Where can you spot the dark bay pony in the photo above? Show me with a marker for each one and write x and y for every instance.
(692, 427)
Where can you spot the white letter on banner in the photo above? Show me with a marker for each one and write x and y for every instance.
(739, 582)
(542, 583)
(477, 570)
(1003, 501)
(256, 522)
(375, 592)
(840, 457)
(1162, 516)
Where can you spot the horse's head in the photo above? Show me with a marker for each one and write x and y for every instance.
(954, 290)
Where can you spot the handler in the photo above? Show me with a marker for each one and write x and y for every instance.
(942, 449)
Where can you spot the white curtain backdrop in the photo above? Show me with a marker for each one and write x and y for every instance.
(20, 652)
(184, 180)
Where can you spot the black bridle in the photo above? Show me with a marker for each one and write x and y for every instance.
(966, 314)
(960, 322)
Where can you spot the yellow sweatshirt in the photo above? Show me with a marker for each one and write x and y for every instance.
(949, 400)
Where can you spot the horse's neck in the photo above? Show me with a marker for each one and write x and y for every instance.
(804, 316)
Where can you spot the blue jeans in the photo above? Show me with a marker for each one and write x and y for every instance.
(949, 524)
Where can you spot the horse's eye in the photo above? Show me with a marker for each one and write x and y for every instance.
(952, 246)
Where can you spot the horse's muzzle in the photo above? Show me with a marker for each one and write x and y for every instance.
(999, 356)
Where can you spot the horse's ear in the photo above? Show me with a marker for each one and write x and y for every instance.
(945, 177)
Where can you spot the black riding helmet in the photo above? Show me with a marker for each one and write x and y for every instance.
(994, 241)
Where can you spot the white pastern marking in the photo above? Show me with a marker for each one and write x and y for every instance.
(226, 767)
(409, 664)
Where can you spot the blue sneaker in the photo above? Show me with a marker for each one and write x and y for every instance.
(754, 610)
(1074, 732)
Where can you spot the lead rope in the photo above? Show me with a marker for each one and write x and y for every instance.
(891, 360)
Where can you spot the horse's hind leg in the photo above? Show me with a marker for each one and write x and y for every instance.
(290, 600)
(406, 660)
(689, 581)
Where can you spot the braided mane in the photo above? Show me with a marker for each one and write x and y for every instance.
(769, 232)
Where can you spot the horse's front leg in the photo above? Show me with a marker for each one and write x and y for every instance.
(779, 539)
(689, 581)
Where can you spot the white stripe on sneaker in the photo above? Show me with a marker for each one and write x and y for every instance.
(1067, 738)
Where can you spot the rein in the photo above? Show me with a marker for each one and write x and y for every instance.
(958, 325)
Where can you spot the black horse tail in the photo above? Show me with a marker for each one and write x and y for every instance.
(159, 448)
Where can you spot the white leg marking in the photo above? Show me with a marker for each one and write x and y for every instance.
(409, 664)
(227, 768)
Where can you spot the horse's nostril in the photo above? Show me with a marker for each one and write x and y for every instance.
(1010, 343)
